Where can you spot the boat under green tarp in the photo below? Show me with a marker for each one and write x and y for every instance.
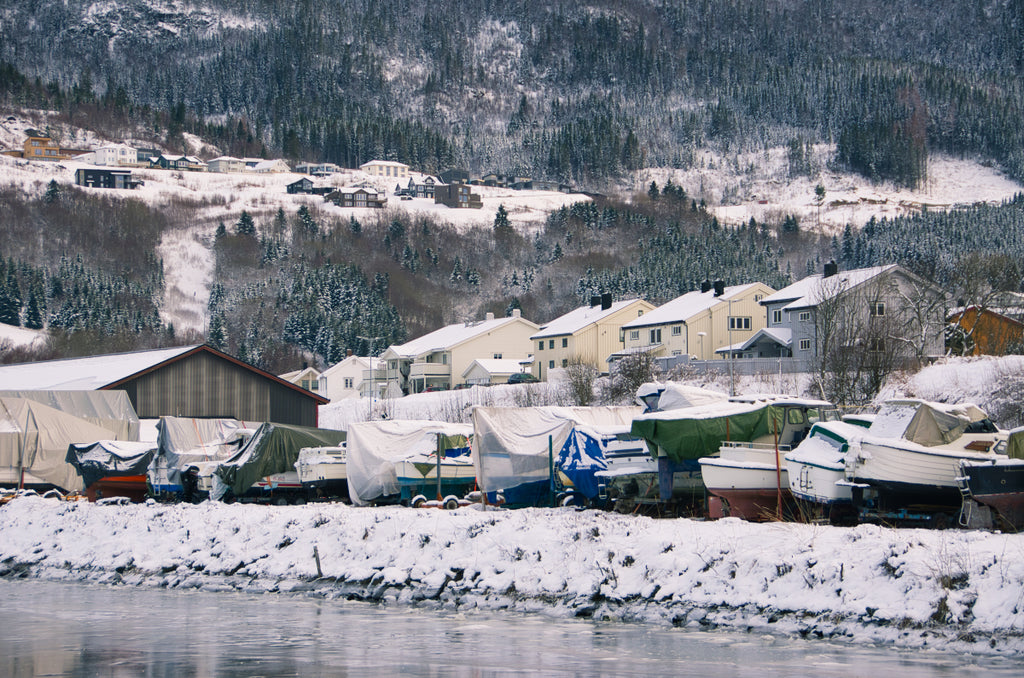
(695, 432)
(273, 449)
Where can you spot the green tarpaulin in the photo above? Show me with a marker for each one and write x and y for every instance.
(273, 449)
(694, 432)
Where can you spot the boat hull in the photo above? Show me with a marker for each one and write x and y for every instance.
(999, 486)
(750, 490)
(817, 483)
(132, 487)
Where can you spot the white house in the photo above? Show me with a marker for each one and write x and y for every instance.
(114, 155)
(307, 378)
(386, 168)
(440, 359)
(352, 377)
(489, 371)
(226, 163)
(270, 167)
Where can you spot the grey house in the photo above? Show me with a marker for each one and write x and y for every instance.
(881, 309)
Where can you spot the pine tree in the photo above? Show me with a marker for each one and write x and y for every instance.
(34, 312)
(306, 222)
(502, 225)
(245, 225)
(52, 194)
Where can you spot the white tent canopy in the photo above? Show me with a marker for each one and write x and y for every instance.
(110, 409)
(375, 446)
(510, 444)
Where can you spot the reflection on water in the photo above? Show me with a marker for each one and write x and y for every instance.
(55, 629)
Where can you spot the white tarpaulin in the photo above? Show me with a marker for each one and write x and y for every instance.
(35, 438)
(108, 409)
(184, 442)
(510, 444)
(375, 446)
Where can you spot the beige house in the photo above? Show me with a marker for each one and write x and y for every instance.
(489, 371)
(307, 378)
(438, 360)
(225, 164)
(589, 334)
(352, 377)
(386, 168)
(700, 322)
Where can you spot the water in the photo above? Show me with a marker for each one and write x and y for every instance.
(58, 629)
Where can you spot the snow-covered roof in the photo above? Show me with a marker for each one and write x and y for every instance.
(495, 366)
(451, 336)
(297, 374)
(579, 318)
(85, 374)
(780, 335)
(383, 163)
(362, 361)
(814, 289)
(687, 306)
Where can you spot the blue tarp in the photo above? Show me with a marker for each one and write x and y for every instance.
(581, 457)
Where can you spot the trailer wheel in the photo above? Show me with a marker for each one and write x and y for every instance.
(451, 502)
(418, 501)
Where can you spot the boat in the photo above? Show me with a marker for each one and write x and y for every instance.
(749, 478)
(997, 484)
(910, 457)
(322, 471)
(817, 468)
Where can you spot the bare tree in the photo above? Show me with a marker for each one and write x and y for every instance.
(629, 374)
(580, 378)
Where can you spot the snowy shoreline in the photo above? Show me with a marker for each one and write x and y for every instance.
(954, 590)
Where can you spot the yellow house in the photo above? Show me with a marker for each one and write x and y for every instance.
(588, 334)
(700, 322)
(386, 168)
(438, 361)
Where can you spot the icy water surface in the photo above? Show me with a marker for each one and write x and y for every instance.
(58, 629)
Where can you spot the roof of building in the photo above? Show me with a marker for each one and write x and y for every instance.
(450, 336)
(780, 335)
(495, 366)
(392, 163)
(579, 318)
(814, 289)
(687, 306)
(364, 362)
(109, 371)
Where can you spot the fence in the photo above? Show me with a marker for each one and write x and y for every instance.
(740, 366)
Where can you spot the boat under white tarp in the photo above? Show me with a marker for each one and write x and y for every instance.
(34, 441)
(374, 448)
(185, 441)
(511, 444)
(109, 409)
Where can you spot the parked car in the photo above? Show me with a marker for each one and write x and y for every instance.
(523, 378)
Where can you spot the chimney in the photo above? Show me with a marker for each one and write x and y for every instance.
(594, 300)
(719, 288)
(489, 316)
(304, 364)
(348, 352)
(705, 286)
(831, 268)
(606, 301)
(516, 313)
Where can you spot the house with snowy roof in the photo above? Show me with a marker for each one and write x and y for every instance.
(307, 378)
(357, 197)
(883, 309)
(386, 168)
(588, 334)
(112, 155)
(491, 371)
(352, 377)
(226, 164)
(699, 322)
(185, 381)
(438, 360)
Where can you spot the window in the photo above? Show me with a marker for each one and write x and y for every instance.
(551, 364)
(639, 313)
(738, 323)
(551, 343)
(540, 345)
(804, 316)
(656, 336)
(565, 342)
(305, 384)
(497, 356)
(348, 382)
(565, 363)
(877, 309)
(634, 335)
(677, 352)
(805, 344)
(758, 297)
(876, 344)
(777, 317)
(677, 330)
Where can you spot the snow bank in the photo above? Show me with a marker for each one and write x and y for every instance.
(957, 590)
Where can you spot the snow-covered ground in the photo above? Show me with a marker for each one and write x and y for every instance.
(956, 590)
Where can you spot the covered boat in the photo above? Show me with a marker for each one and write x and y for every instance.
(519, 451)
(817, 466)
(197, 446)
(910, 456)
(394, 460)
(113, 468)
(34, 440)
(270, 456)
(111, 410)
(323, 472)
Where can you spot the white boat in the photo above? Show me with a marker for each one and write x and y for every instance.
(911, 455)
(817, 466)
(322, 471)
(750, 477)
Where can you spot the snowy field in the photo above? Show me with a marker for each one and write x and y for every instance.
(955, 590)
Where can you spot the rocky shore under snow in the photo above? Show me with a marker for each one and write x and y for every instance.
(958, 590)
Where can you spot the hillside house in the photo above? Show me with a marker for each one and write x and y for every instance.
(588, 334)
(438, 360)
(357, 197)
(457, 196)
(226, 164)
(386, 168)
(94, 177)
(418, 189)
(276, 166)
(884, 309)
(317, 169)
(987, 331)
(39, 146)
(353, 377)
(699, 322)
(455, 176)
(114, 155)
(307, 378)
(185, 163)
